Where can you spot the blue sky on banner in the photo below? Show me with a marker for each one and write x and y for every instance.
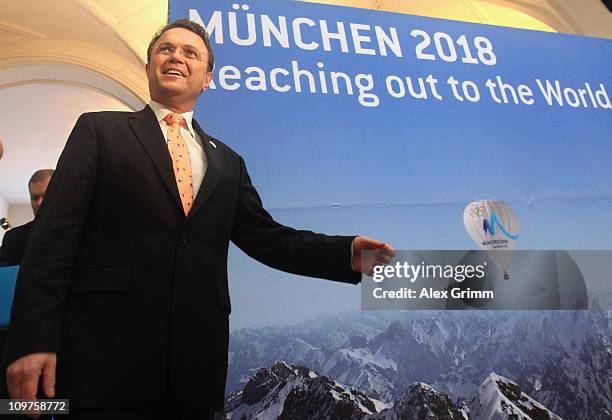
(404, 169)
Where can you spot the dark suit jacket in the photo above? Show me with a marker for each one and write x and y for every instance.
(132, 294)
(14, 244)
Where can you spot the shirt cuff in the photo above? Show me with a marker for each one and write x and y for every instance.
(352, 251)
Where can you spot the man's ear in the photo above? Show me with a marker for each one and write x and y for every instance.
(207, 81)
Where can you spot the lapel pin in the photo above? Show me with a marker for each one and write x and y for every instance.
(213, 144)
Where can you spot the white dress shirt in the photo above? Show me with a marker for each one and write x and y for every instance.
(199, 163)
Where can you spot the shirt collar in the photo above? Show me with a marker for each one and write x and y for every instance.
(161, 112)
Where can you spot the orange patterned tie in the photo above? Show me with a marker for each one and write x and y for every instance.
(180, 159)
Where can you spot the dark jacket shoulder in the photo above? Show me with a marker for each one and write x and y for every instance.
(14, 244)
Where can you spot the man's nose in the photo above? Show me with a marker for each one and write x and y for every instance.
(177, 55)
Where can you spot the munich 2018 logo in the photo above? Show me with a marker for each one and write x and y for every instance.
(489, 227)
(490, 224)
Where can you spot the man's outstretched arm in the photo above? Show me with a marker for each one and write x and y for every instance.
(299, 252)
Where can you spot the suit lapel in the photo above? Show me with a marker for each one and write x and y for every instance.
(213, 171)
(146, 127)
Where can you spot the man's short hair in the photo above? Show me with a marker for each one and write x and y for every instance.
(191, 26)
(40, 175)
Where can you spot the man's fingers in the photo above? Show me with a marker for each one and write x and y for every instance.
(370, 271)
(389, 250)
(29, 384)
(386, 250)
(49, 377)
(369, 244)
(365, 261)
(13, 382)
(24, 374)
(374, 244)
(366, 243)
(384, 255)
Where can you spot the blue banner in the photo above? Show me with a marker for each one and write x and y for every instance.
(388, 125)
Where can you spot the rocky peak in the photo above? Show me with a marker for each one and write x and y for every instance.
(499, 398)
(422, 402)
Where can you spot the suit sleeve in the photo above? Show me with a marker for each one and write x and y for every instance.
(295, 251)
(46, 270)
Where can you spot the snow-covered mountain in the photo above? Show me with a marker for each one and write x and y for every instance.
(563, 359)
(422, 402)
(293, 393)
(313, 344)
(498, 398)
(289, 392)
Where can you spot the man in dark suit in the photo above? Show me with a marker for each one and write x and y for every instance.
(122, 301)
(15, 240)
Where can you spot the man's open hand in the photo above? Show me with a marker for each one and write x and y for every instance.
(24, 373)
(383, 253)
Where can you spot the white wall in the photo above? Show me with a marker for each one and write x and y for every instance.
(20, 214)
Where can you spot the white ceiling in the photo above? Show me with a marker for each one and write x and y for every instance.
(58, 59)
(36, 121)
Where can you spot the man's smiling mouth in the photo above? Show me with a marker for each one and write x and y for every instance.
(174, 72)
